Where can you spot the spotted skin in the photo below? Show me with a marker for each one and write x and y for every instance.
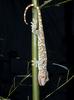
(37, 28)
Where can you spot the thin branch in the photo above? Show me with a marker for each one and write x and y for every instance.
(58, 4)
(18, 85)
(45, 3)
(59, 87)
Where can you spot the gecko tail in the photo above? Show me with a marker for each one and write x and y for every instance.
(25, 12)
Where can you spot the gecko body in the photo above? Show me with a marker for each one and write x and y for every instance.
(37, 28)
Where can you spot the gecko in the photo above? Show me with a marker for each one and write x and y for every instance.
(37, 28)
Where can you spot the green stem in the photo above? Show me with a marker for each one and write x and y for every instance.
(35, 86)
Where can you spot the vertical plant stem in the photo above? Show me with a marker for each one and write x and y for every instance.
(35, 87)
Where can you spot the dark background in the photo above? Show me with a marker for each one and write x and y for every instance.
(15, 46)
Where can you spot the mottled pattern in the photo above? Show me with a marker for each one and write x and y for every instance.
(37, 29)
(42, 54)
